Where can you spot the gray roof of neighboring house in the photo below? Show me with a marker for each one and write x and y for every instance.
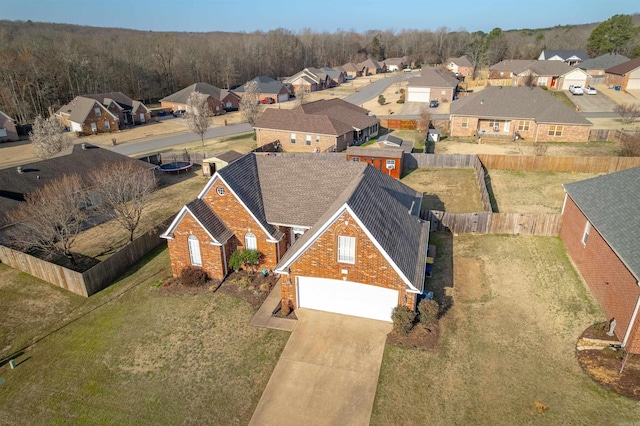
(212, 223)
(379, 201)
(550, 68)
(266, 85)
(391, 139)
(611, 203)
(228, 156)
(119, 97)
(462, 61)
(624, 67)
(517, 103)
(434, 77)
(181, 96)
(375, 151)
(370, 63)
(340, 110)
(603, 62)
(79, 108)
(395, 61)
(565, 54)
(332, 73)
(4, 118)
(351, 67)
(515, 66)
(73, 160)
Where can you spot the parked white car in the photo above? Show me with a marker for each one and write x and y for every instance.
(576, 90)
(590, 90)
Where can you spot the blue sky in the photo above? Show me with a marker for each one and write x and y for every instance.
(326, 15)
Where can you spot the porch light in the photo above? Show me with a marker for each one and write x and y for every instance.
(404, 298)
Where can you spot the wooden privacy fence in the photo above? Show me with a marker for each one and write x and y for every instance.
(547, 225)
(97, 277)
(398, 124)
(558, 164)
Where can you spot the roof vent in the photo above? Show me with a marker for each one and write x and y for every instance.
(481, 101)
(84, 146)
(20, 169)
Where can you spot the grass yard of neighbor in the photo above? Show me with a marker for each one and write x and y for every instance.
(531, 192)
(507, 343)
(450, 190)
(130, 356)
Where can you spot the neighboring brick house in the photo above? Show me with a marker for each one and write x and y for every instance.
(336, 76)
(8, 131)
(600, 232)
(310, 80)
(433, 84)
(86, 116)
(126, 109)
(321, 126)
(499, 112)
(460, 65)
(570, 57)
(388, 160)
(555, 75)
(395, 64)
(626, 75)
(352, 70)
(371, 67)
(596, 67)
(219, 100)
(268, 88)
(344, 237)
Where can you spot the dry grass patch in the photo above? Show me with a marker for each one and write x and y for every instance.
(531, 192)
(451, 190)
(556, 149)
(507, 357)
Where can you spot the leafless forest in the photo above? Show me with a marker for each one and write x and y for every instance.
(43, 66)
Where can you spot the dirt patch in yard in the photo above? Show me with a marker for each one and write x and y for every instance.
(248, 286)
(556, 149)
(469, 274)
(424, 337)
(451, 190)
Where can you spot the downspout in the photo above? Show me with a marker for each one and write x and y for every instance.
(633, 320)
(224, 260)
(537, 130)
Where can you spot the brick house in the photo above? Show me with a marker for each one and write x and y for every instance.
(321, 126)
(8, 130)
(395, 64)
(219, 100)
(570, 57)
(352, 70)
(460, 65)
(554, 75)
(268, 88)
(371, 66)
(86, 116)
(600, 233)
(310, 80)
(596, 67)
(499, 112)
(626, 75)
(126, 109)
(344, 237)
(433, 84)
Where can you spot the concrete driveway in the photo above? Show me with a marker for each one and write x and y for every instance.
(592, 103)
(327, 373)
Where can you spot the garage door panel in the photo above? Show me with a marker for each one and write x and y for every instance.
(283, 98)
(634, 83)
(419, 95)
(346, 297)
(567, 83)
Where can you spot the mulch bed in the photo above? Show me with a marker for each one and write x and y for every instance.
(174, 287)
(251, 287)
(603, 366)
(424, 337)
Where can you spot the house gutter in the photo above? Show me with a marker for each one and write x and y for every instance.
(633, 320)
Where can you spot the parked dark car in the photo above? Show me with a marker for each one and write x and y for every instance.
(179, 113)
(433, 104)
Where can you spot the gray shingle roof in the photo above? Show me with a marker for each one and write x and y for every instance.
(564, 54)
(517, 103)
(624, 67)
(79, 108)
(462, 61)
(433, 77)
(550, 68)
(228, 156)
(119, 97)
(383, 152)
(294, 121)
(603, 62)
(181, 96)
(611, 203)
(340, 110)
(212, 223)
(515, 66)
(266, 85)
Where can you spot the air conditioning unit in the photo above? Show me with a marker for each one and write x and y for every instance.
(391, 166)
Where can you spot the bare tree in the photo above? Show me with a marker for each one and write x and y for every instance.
(198, 114)
(630, 144)
(250, 103)
(629, 112)
(51, 218)
(301, 95)
(123, 191)
(48, 137)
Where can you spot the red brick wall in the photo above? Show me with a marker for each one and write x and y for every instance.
(238, 219)
(104, 116)
(179, 249)
(266, 136)
(614, 79)
(321, 260)
(569, 134)
(136, 115)
(117, 111)
(598, 265)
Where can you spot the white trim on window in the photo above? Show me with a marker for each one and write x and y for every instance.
(293, 138)
(194, 251)
(585, 235)
(250, 242)
(96, 112)
(346, 249)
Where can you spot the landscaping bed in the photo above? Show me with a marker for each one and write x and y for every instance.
(423, 337)
(250, 287)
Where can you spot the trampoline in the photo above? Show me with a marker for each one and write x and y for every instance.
(176, 166)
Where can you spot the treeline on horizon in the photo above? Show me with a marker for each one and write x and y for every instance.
(44, 66)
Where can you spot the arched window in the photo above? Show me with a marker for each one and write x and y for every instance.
(250, 242)
(194, 251)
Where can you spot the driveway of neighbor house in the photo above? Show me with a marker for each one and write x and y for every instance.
(327, 373)
(592, 103)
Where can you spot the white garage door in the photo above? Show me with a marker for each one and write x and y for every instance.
(574, 82)
(346, 297)
(419, 94)
(634, 83)
(283, 98)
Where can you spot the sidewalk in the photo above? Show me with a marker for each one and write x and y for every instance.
(263, 317)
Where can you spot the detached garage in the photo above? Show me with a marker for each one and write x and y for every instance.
(433, 84)
(346, 297)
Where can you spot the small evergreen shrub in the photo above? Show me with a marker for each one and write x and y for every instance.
(403, 319)
(429, 310)
(192, 276)
(381, 100)
(235, 261)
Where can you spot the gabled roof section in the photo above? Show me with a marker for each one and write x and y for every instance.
(4, 118)
(564, 54)
(228, 156)
(517, 103)
(434, 77)
(266, 85)
(295, 121)
(389, 211)
(380, 151)
(462, 61)
(611, 203)
(371, 64)
(395, 61)
(515, 66)
(340, 110)
(603, 62)
(209, 221)
(119, 97)
(625, 67)
(351, 67)
(181, 96)
(80, 107)
(551, 68)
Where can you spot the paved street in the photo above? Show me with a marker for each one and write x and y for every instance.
(168, 141)
(374, 89)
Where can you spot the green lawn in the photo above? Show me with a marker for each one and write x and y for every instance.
(507, 343)
(128, 355)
